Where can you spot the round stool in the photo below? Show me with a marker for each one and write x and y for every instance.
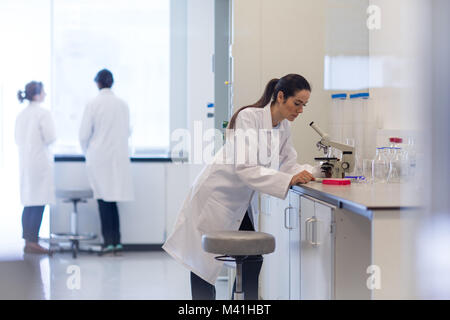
(236, 246)
(74, 196)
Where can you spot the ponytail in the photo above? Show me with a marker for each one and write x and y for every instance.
(261, 103)
(288, 84)
(20, 96)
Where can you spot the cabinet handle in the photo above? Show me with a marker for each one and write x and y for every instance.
(286, 214)
(312, 231)
(315, 233)
(307, 231)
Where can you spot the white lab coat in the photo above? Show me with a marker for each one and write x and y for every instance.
(103, 135)
(222, 193)
(34, 132)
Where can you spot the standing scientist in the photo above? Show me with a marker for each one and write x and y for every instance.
(103, 135)
(221, 194)
(34, 133)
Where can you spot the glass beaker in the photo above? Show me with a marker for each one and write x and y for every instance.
(398, 167)
(367, 170)
(379, 167)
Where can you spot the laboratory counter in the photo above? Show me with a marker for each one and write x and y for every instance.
(342, 242)
(159, 185)
(81, 158)
(363, 198)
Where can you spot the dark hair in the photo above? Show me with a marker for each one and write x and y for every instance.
(104, 78)
(32, 89)
(289, 85)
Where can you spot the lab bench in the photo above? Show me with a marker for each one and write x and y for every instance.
(341, 242)
(159, 188)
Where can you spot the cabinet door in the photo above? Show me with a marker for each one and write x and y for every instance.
(292, 221)
(274, 277)
(316, 231)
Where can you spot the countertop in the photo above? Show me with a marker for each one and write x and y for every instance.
(81, 158)
(361, 197)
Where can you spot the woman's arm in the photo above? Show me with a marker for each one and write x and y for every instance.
(266, 180)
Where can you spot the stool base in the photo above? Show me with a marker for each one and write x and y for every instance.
(74, 240)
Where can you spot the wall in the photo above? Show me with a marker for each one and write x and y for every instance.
(272, 39)
(200, 76)
(200, 92)
(397, 64)
(347, 46)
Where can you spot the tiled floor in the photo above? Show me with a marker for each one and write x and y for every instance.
(134, 275)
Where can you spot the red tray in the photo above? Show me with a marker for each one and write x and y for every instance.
(337, 182)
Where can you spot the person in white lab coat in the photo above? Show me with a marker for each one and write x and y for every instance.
(34, 132)
(221, 194)
(103, 136)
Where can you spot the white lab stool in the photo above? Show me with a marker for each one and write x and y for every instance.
(236, 246)
(74, 237)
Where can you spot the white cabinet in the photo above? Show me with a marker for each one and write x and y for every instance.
(292, 222)
(311, 248)
(159, 190)
(274, 277)
(143, 221)
(302, 266)
(316, 249)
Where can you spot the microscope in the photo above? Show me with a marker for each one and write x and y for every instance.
(333, 167)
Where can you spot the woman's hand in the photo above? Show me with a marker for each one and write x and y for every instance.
(302, 177)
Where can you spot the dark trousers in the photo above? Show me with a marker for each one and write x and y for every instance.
(31, 222)
(109, 218)
(251, 267)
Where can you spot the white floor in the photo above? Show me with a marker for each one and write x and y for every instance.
(134, 275)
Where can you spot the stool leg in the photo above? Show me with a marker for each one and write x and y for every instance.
(231, 277)
(73, 219)
(238, 294)
(74, 248)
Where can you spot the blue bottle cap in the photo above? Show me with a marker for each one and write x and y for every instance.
(342, 96)
(363, 95)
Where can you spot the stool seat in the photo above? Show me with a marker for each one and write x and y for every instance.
(71, 236)
(74, 194)
(238, 243)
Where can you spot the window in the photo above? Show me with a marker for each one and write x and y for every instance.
(130, 38)
(64, 43)
(24, 56)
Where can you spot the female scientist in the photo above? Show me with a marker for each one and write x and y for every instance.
(34, 132)
(221, 194)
